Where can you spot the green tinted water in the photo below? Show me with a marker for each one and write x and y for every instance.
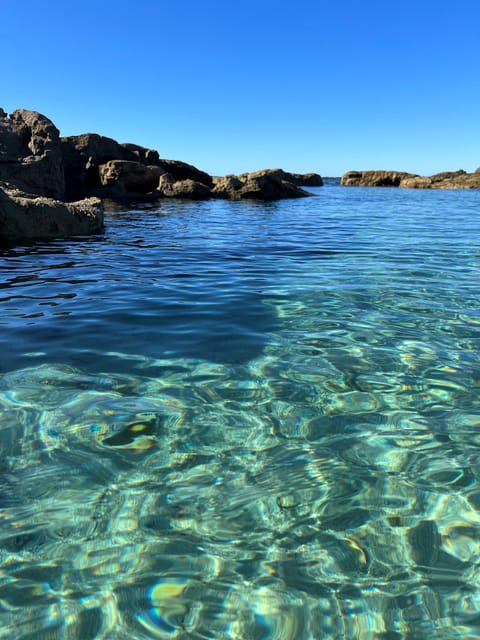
(239, 421)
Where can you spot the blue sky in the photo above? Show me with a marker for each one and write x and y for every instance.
(238, 86)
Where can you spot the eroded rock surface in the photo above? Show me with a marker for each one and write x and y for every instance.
(267, 184)
(24, 215)
(444, 180)
(375, 178)
(30, 153)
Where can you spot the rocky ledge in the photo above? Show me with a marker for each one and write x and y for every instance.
(445, 180)
(24, 215)
(55, 178)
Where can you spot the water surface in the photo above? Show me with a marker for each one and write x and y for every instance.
(239, 420)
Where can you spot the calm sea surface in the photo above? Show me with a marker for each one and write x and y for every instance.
(245, 421)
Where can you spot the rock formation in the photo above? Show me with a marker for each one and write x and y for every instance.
(375, 178)
(186, 189)
(30, 153)
(25, 215)
(35, 159)
(306, 179)
(445, 180)
(267, 184)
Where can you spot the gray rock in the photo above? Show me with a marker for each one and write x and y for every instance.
(24, 215)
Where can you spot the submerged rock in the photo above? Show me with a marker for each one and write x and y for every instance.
(24, 215)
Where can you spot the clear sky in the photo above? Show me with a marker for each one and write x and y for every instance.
(239, 86)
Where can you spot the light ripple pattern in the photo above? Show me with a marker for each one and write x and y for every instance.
(245, 421)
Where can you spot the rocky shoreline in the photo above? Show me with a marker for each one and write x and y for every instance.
(445, 180)
(54, 186)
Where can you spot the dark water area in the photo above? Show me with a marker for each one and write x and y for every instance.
(245, 420)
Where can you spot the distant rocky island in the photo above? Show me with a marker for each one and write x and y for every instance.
(55, 186)
(445, 180)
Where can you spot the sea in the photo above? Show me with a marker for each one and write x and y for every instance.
(242, 420)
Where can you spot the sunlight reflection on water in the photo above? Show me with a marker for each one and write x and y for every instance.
(231, 420)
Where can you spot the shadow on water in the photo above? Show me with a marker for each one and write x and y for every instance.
(82, 322)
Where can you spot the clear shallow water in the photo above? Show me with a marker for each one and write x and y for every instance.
(231, 420)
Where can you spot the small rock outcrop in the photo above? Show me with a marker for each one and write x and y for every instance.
(267, 184)
(30, 154)
(183, 171)
(444, 180)
(24, 215)
(375, 178)
(306, 179)
(189, 189)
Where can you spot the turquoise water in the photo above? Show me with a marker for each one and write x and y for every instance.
(239, 420)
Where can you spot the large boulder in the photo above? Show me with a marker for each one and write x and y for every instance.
(267, 184)
(30, 153)
(133, 176)
(24, 215)
(183, 171)
(306, 179)
(188, 189)
(143, 155)
(82, 157)
(375, 178)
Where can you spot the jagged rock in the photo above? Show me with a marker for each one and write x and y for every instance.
(267, 184)
(24, 215)
(30, 153)
(375, 178)
(134, 176)
(183, 171)
(188, 189)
